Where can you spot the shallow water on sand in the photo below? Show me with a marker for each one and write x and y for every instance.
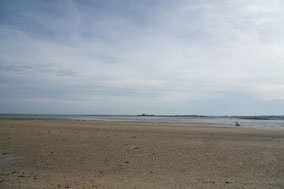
(7, 159)
(213, 121)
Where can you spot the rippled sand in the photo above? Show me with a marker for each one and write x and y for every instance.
(92, 154)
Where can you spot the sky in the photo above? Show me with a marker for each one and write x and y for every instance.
(210, 57)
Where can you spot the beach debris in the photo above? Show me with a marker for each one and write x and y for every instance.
(126, 162)
(66, 186)
(4, 174)
(227, 182)
(136, 148)
(22, 175)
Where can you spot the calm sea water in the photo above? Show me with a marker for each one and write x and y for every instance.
(214, 121)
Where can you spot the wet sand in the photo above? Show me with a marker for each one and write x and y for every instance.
(96, 154)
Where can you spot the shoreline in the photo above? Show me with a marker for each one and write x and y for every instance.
(154, 122)
(102, 154)
(171, 124)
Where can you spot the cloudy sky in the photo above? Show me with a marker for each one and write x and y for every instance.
(211, 57)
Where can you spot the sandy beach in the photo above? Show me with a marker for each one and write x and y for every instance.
(97, 154)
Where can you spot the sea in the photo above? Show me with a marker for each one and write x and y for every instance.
(177, 120)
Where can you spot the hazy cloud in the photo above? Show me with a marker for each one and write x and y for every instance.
(126, 57)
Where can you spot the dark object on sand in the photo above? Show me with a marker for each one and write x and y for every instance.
(237, 124)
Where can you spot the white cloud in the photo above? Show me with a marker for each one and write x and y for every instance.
(187, 52)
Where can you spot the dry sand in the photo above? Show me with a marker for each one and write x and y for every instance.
(93, 154)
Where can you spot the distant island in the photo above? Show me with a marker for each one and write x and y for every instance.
(146, 115)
